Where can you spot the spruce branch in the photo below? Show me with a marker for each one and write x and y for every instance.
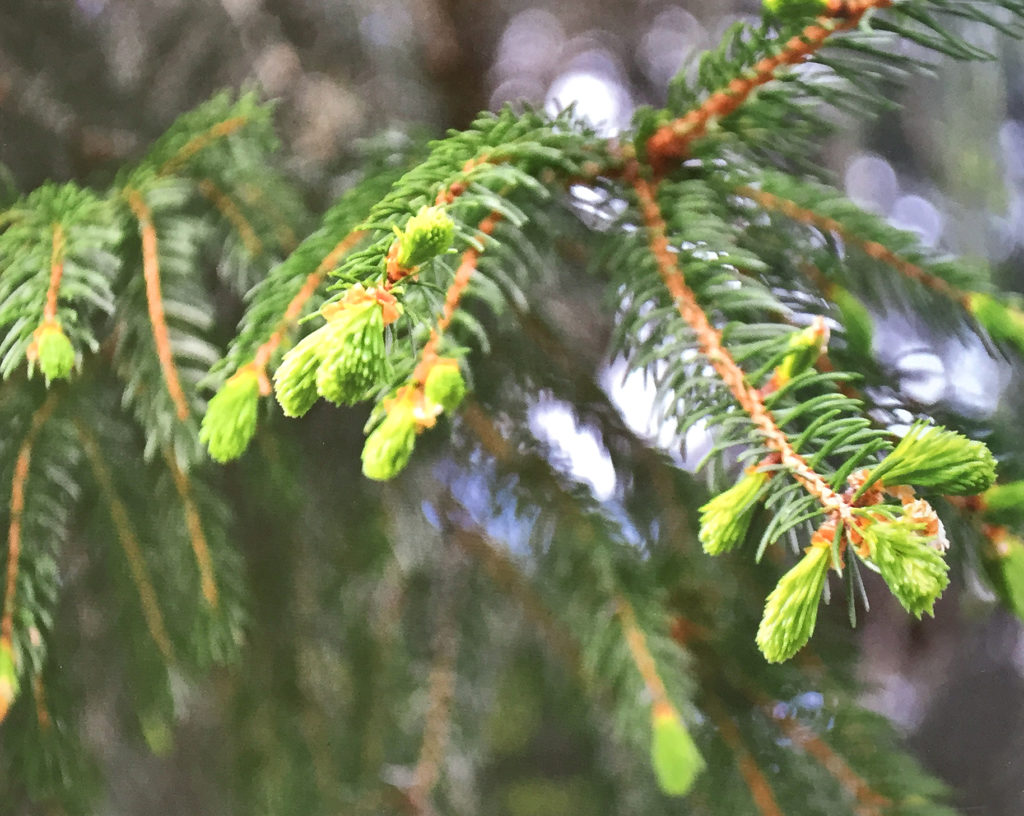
(872, 248)
(738, 343)
(196, 535)
(297, 304)
(9, 657)
(155, 302)
(180, 156)
(435, 386)
(671, 142)
(129, 541)
(233, 213)
(709, 341)
(869, 801)
(824, 209)
(58, 262)
(761, 794)
(675, 757)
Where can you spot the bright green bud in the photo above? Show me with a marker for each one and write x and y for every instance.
(674, 754)
(795, 8)
(157, 732)
(915, 572)
(353, 357)
(1003, 559)
(295, 378)
(937, 458)
(427, 234)
(445, 386)
(8, 679)
(230, 419)
(725, 519)
(54, 352)
(1003, 321)
(792, 607)
(389, 446)
(802, 351)
(857, 322)
(1004, 502)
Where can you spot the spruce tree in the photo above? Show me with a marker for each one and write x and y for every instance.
(687, 637)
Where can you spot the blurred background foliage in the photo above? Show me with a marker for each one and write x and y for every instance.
(85, 86)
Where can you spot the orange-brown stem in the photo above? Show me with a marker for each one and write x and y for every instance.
(19, 485)
(671, 143)
(760, 789)
(869, 801)
(194, 525)
(200, 142)
(155, 302)
(223, 202)
(642, 657)
(295, 306)
(56, 273)
(463, 274)
(129, 543)
(874, 249)
(709, 341)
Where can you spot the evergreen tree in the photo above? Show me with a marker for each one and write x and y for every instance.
(485, 607)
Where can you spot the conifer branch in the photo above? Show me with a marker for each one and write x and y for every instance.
(19, 485)
(642, 657)
(467, 266)
(194, 525)
(129, 541)
(200, 142)
(874, 249)
(56, 273)
(265, 351)
(757, 783)
(154, 299)
(429, 357)
(231, 211)
(709, 342)
(869, 801)
(671, 142)
(592, 585)
(50, 321)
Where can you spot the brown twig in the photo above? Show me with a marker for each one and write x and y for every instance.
(19, 485)
(154, 300)
(463, 274)
(671, 142)
(56, 273)
(760, 789)
(709, 341)
(874, 249)
(230, 210)
(200, 142)
(642, 657)
(869, 801)
(129, 543)
(194, 525)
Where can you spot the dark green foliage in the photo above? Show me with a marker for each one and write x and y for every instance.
(84, 229)
(484, 568)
